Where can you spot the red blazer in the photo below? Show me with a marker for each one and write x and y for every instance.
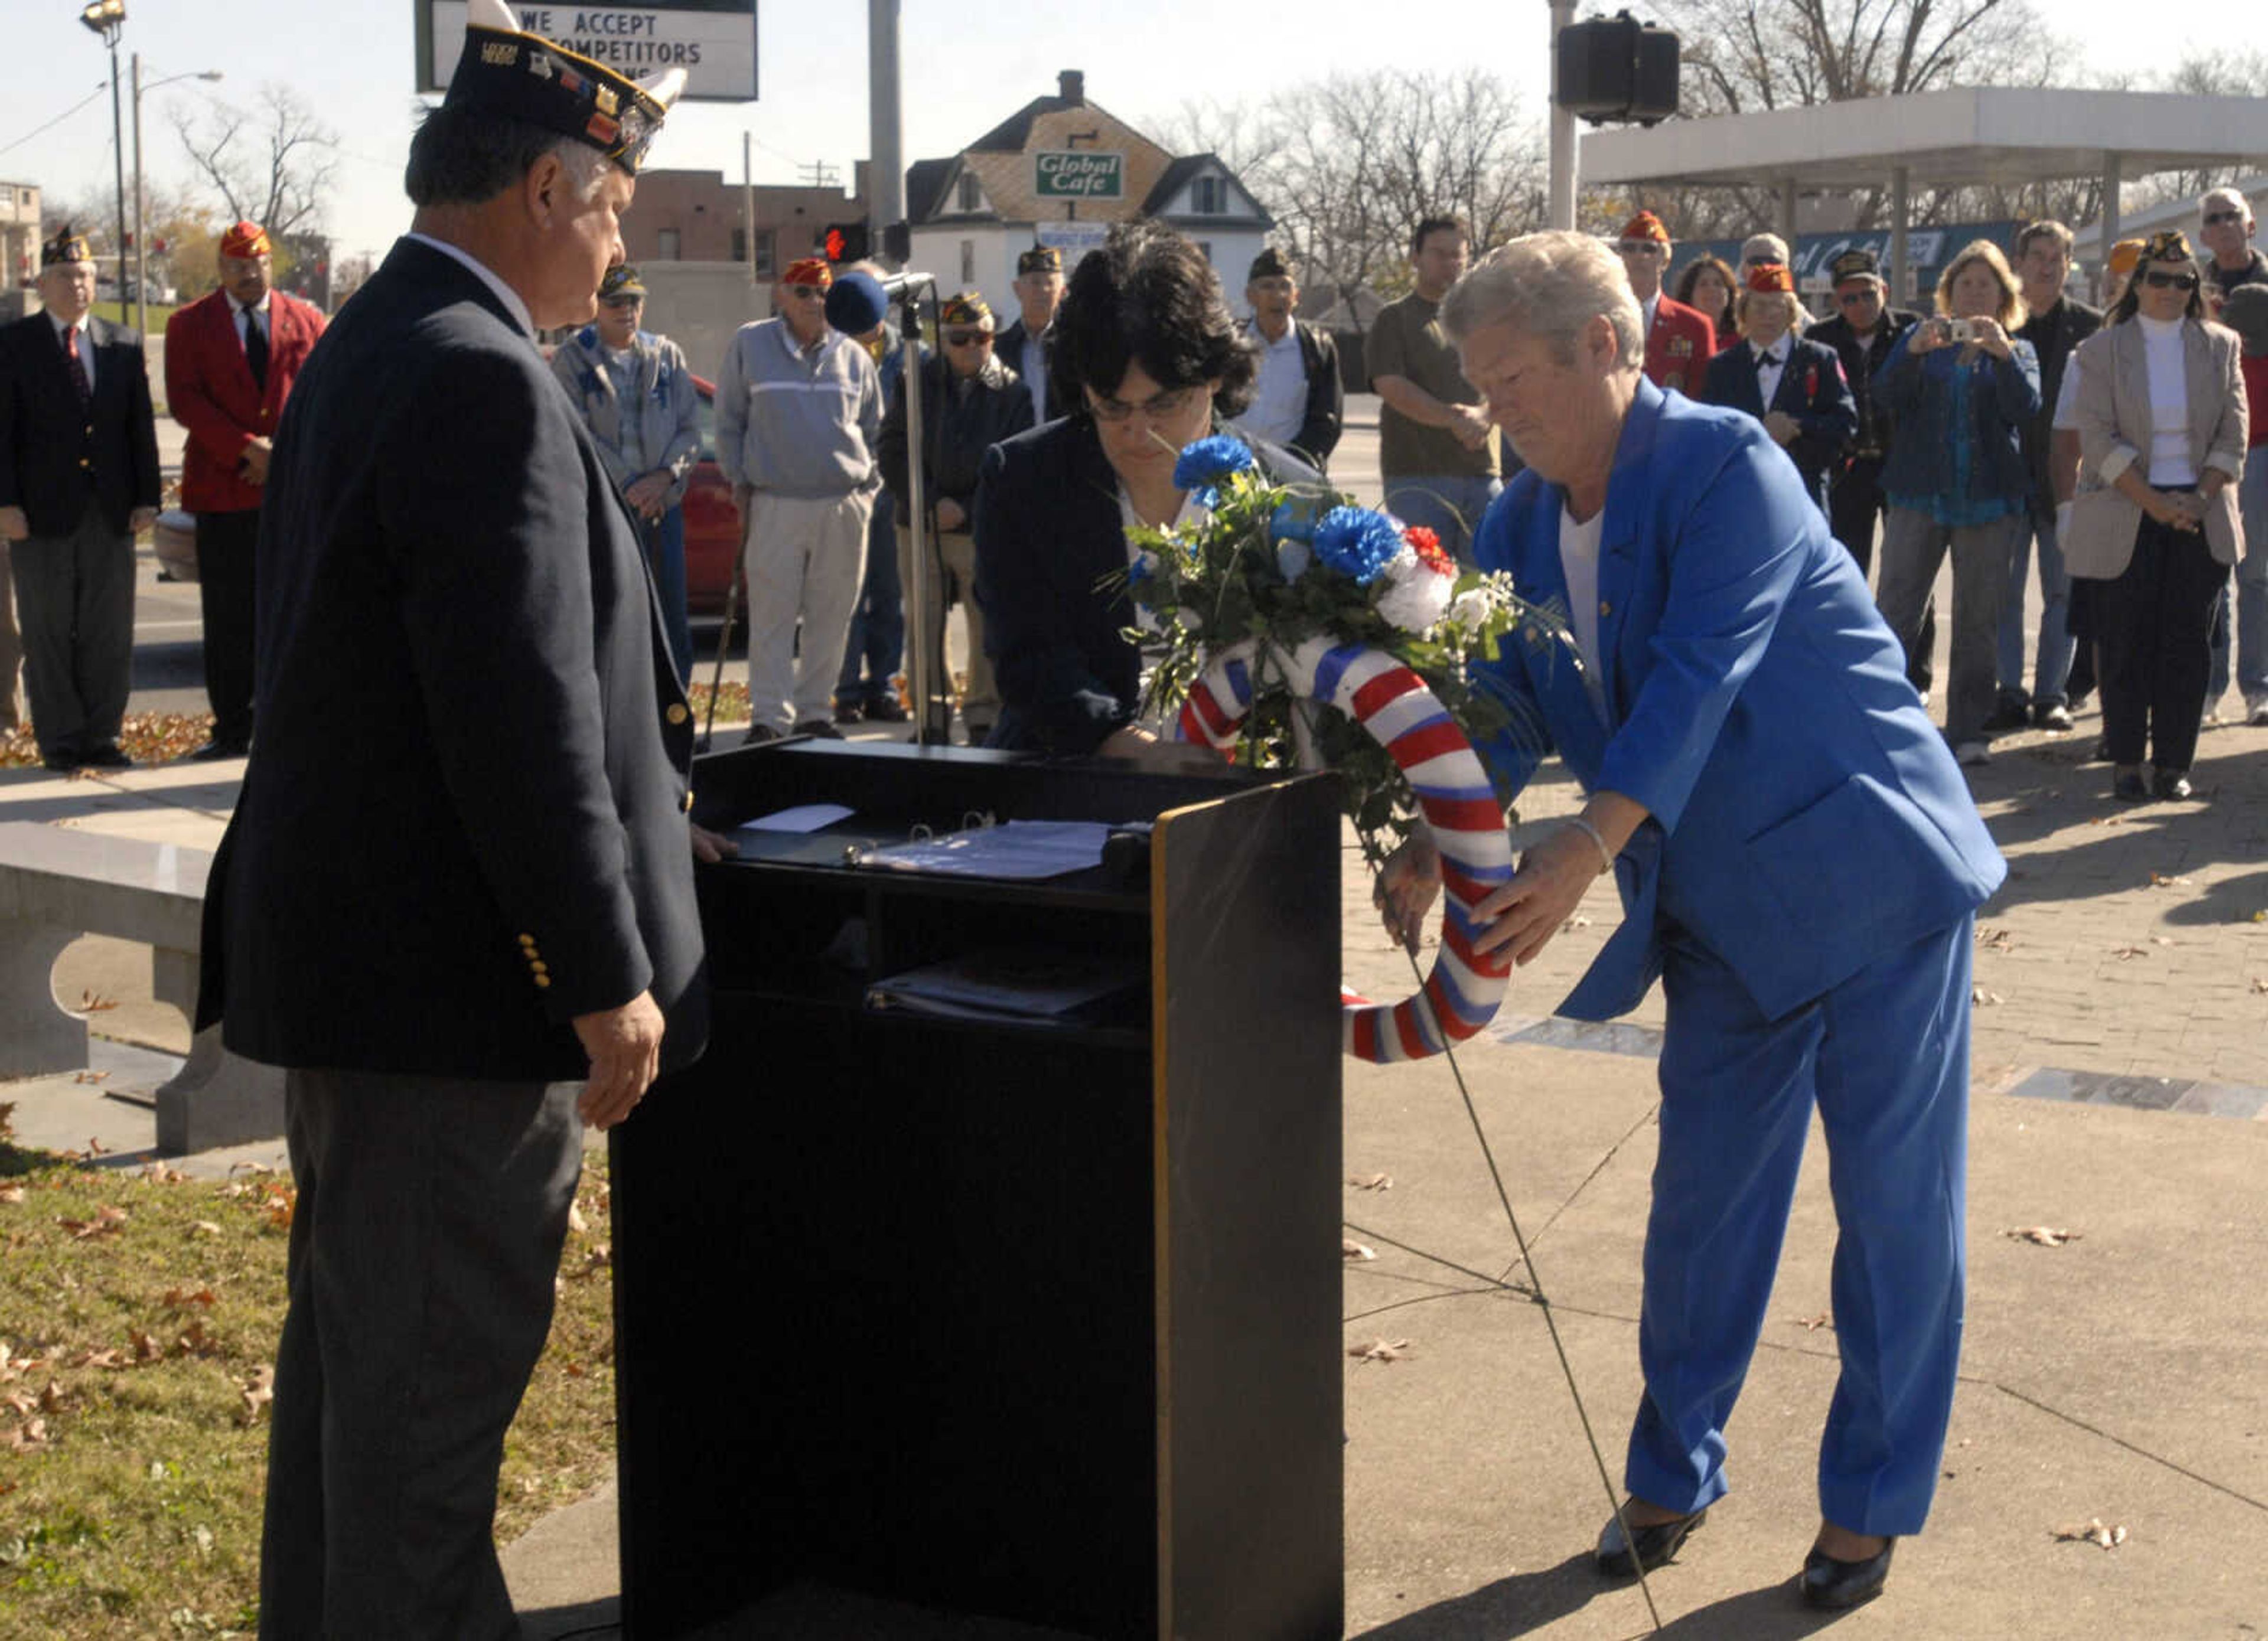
(1678, 347)
(210, 390)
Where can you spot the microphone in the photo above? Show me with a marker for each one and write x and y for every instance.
(857, 301)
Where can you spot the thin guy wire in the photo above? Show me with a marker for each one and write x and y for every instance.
(1542, 1300)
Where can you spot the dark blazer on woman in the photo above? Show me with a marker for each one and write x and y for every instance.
(1917, 389)
(1049, 530)
(464, 825)
(47, 449)
(1811, 389)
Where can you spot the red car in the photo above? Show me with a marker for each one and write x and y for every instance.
(712, 525)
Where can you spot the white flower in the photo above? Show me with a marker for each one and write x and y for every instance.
(1415, 602)
(1292, 558)
(1472, 610)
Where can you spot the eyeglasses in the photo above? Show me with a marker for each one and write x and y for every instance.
(2179, 281)
(2215, 219)
(1157, 407)
(809, 293)
(966, 338)
(620, 302)
(1273, 286)
(1643, 248)
(1857, 299)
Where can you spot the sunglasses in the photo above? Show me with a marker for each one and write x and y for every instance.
(2179, 281)
(966, 338)
(620, 302)
(1643, 248)
(2215, 219)
(1157, 407)
(809, 293)
(1856, 298)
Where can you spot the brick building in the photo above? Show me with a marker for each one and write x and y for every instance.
(698, 217)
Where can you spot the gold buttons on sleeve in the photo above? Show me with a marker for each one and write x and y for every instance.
(542, 980)
(688, 805)
(677, 713)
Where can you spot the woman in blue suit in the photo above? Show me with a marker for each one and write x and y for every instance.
(1799, 864)
(1794, 387)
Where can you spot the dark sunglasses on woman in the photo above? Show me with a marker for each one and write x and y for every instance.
(2179, 282)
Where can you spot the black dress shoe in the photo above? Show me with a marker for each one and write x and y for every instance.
(2128, 789)
(2171, 785)
(818, 728)
(2051, 715)
(849, 712)
(213, 750)
(1828, 1582)
(111, 757)
(61, 763)
(886, 709)
(2013, 712)
(1648, 1546)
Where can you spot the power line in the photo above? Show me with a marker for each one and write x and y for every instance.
(101, 87)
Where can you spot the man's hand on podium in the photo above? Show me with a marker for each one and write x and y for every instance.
(1139, 745)
(710, 847)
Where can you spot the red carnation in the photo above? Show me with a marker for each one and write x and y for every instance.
(1427, 545)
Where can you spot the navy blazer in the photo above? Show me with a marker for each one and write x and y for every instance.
(1048, 531)
(1812, 389)
(1806, 817)
(48, 451)
(463, 825)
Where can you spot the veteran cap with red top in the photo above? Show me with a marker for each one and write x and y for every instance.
(244, 241)
(1646, 228)
(507, 72)
(1769, 276)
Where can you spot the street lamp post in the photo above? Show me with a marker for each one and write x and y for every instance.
(107, 18)
(141, 234)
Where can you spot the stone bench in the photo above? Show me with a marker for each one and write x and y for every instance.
(56, 885)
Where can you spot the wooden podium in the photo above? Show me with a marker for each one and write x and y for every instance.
(1019, 1320)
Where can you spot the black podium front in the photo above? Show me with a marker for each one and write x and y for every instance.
(1022, 1320)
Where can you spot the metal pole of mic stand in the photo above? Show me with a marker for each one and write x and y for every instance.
(932, 708)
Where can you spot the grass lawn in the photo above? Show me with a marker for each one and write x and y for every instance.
(124, 313)
(138, 1318)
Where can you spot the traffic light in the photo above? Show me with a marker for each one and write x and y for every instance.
(844, 242)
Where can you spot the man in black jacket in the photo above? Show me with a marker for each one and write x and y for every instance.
(970, 401)
(1297, 399)
(1862, 332)
(1026, 347)
(2057, 326)
(78, 481)
(458, 872)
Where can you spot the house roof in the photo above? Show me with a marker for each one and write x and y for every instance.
(925, 180)
(1178, 176)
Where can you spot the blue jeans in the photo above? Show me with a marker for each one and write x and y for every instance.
(2251, 610)
(664, 555)
(878, 621)
(2052, 666)
(1450, 504)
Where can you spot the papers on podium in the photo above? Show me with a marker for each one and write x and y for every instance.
(1034, 984)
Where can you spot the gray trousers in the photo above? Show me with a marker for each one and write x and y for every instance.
(1914, 545)
(425, 1245)
(74, 605)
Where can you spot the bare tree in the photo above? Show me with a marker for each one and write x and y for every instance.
(271, 164)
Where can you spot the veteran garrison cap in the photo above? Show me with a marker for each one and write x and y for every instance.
(1273, 264)
(1646, 228)
(967, 309)
(68, 245)
(1041, 258)
(1766, 277)
(244, 241)
(1856, 263)
(508, 71)
(2169, 244)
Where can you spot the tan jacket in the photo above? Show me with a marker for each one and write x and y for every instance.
(2114, 431)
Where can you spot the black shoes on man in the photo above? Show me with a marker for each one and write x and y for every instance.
(1825, 1582)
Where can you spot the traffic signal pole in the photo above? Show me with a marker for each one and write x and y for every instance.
(886, 180)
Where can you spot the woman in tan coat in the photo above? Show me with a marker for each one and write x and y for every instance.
(2154, 525)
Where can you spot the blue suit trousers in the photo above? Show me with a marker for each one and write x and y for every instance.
(1884, 1056)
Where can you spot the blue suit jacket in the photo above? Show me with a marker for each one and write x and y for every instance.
(1812, 389)
(1807, 819)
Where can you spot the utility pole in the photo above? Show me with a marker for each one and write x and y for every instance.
(886, 168)
(749, 204)
(1563, 129)
(107, 18)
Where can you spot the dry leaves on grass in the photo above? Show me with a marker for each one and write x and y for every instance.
(24, 1437)
(2091, 1531)
(1349, 1248)
(106, 1222)
(182, 1298)
(2044, 1236)
(1381, 1350)
(1385, 1181)
(13, 1194)
(259, 1390)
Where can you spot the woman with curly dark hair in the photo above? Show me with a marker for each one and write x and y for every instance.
(1707, 283)
(1147, 359)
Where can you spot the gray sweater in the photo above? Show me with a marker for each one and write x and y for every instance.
(793, 423)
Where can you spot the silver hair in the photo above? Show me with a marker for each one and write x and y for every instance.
(1550, 285)
(2227, 196)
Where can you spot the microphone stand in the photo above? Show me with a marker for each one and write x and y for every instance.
(932, 708)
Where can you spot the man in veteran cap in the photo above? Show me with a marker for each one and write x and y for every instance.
(1026, 346)
(231, 359)
(456, 899)
(799, 406)
(1297, 399)
(78, 481)
(1679, 340)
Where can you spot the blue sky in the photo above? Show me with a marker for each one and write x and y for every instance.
(968, 66)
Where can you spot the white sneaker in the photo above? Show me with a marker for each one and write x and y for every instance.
(2256, 709)
(1972, 751)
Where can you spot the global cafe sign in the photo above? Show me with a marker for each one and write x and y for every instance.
(1078, 174)
(713, 41)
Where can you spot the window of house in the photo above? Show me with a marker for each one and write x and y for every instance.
(1208, 197)
(740, 244)
(972, 191)
(665, 245)
(767, 255)
(967, 262)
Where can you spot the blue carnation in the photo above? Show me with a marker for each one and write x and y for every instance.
(1208, 460)
(1359, 543)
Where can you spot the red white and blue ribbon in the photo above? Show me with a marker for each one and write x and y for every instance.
(1463, 991)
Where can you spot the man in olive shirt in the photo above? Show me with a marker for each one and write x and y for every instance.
(1436, 446)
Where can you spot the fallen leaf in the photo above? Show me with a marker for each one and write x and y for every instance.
(575, 1370)
(2046, 1236)
(146, 1348)
(278, 1208)
(30, 1434)
(2091, 1531)
(205, 1227)
(1577, 922)
(259, 1390)
(1979, 997)
(575, 1221)
(95, 1147)
(1381, 1350)
(25, 1405)
(180, 1299)
(2162, 939)
(52, 1398)
(1813, 1324)
(159, 1173)
(2122, 952)
(94, 1003)
(195, 1341)
(112, 1357)
(2161, 881)
(1996, 940)
(13, 1194)
(1385, 1181)
(1350, 1249)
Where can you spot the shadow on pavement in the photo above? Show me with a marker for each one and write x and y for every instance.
(1528, 1600)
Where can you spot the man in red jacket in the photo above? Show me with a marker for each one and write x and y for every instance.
(1678, 339)
(230, 361)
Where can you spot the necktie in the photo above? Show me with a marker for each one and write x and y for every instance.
(77, 367)
(256, 349)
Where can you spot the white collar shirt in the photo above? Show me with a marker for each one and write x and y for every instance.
(505, 293)
(1279, 401)
(1032, 365)
(1647, 309)
(1771, 364)
(85, 343)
